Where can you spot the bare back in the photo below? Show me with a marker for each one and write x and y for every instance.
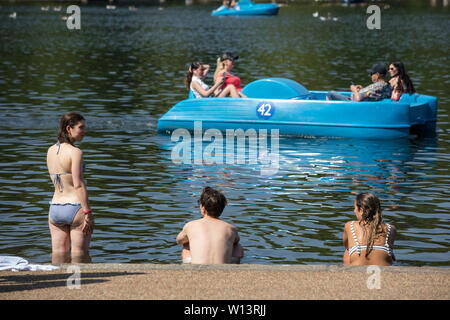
(61, 166)
(211, 240)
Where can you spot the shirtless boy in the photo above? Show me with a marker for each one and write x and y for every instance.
(210, 240)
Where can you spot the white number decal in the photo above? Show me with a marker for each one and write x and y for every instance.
(262, 109)
(265, 110)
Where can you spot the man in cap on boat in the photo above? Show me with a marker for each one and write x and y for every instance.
(378, 90)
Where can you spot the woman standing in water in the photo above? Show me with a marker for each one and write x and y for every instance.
(368, 241)
(71, 221)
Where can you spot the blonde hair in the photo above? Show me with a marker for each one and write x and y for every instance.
(371, 217)
(220, 68)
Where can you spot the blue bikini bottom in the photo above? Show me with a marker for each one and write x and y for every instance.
(63, 213)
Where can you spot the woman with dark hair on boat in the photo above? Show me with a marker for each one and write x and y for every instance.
(400, 81)
(368, 241)
(70, 217)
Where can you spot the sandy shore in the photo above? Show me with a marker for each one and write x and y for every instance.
(225, 282)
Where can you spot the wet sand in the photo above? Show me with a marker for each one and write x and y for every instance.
(226, 282)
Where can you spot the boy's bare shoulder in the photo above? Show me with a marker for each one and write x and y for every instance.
(221, 222)
(191, 223)
(229, 225)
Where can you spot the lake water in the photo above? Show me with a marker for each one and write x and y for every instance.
(124, 69)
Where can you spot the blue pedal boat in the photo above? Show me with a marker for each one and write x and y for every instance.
(283, 104)
(247, 8)
(352, 1)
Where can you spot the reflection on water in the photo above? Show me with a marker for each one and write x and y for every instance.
(124, 69)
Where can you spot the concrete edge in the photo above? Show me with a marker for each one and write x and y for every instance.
(253, 267)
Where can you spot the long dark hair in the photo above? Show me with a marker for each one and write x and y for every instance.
(401, 72)
(70, 119)
(371, 217)
(190, 73)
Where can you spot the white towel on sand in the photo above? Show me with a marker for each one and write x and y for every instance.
(19, 264)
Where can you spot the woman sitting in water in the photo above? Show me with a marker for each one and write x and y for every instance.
(369, 241)
(224, 65)
(194, 82)
(70, 217)
(400, 82)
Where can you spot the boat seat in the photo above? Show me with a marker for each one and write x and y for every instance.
(275, 88)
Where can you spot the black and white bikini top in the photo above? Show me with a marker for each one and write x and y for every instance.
(358, 247)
